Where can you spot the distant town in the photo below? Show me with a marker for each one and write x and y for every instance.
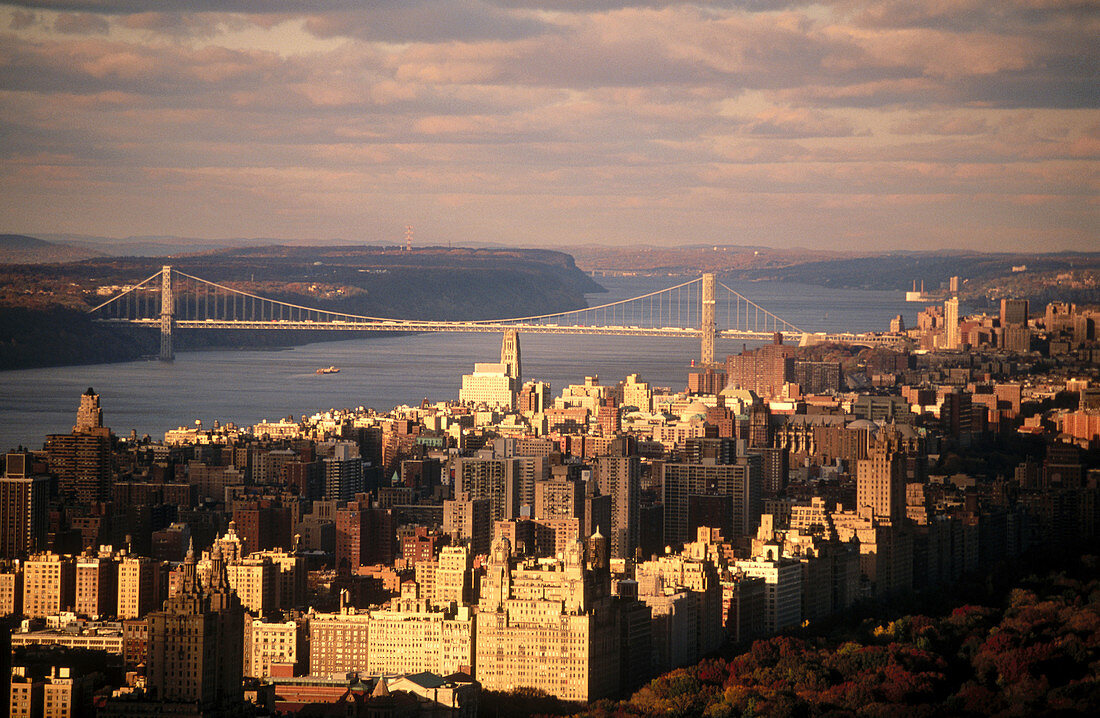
(569, 544)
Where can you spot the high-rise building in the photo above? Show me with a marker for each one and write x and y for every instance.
(637, 393)
(290, 576)
(609, 417)
(490, 384)
(82, 460)
(338, 643)
(724, 496)
(783, 587)
(774, 466)
(620, 477)
(1014, 312)
(559, 498)
(24, 694)
(533, 397)
(412, 636)
(763, 371)
(11, 591)
(255, 581)
(469, 520)
(24, 500)
(1015, 338)
(264, 522)
(196, 642)
(494, 479)
(365, 536)
(454, 576)
(343, 472)
(882, 476)
(65, 695)
(953, 337)
(817, 377)
(137, 586)
(695, 574)
(547, 625)
(710, 380)
(48, 584)
(82, 464)
(96, 586)
(89, 415)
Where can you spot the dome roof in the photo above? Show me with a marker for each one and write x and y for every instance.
(863, 424)
(695, 409)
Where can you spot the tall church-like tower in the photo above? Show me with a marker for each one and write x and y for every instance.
(509, 356)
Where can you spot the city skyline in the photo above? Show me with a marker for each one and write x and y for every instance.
(910, 125)
(577, 542)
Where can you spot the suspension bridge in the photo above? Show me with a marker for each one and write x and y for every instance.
(703, 308)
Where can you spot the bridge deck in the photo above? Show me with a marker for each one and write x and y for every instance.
(497, 327)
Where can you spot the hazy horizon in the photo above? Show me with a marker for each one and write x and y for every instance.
(905, 125)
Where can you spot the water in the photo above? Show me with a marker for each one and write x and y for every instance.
(386, 371)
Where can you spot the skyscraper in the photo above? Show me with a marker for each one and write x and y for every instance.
(547, 625)
(951, 321)
(23, 508)
(343, 472)
(725, 496)
(82, 460)
(620, 477)
(1014, 312)
(89, 415)
(881, 477)
(495, 479)
(196, 643)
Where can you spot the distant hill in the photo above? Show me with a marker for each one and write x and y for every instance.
(168, 245)
(986, 276)
(21, 249)
(43, 302)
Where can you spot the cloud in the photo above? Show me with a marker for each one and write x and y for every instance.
(610, 119)
(21, 20)
(177, 24)
(940, 124)
(81, 24)
(795, 123)
(425, 21)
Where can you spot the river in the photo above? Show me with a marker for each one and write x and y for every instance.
(385, 371)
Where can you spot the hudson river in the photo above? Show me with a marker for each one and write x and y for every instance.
(385, 371)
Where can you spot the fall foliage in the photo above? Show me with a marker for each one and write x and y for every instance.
(1037, 654)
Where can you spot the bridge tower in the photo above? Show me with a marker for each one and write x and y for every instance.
(167, 310)
(706, 323)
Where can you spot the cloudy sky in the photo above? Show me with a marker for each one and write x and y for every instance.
(839, 125)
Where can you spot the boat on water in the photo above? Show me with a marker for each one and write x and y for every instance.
(329, 370)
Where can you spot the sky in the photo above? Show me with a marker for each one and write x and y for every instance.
(846, 125)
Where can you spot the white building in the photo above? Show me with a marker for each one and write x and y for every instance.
(783, 588)
(490, 384)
